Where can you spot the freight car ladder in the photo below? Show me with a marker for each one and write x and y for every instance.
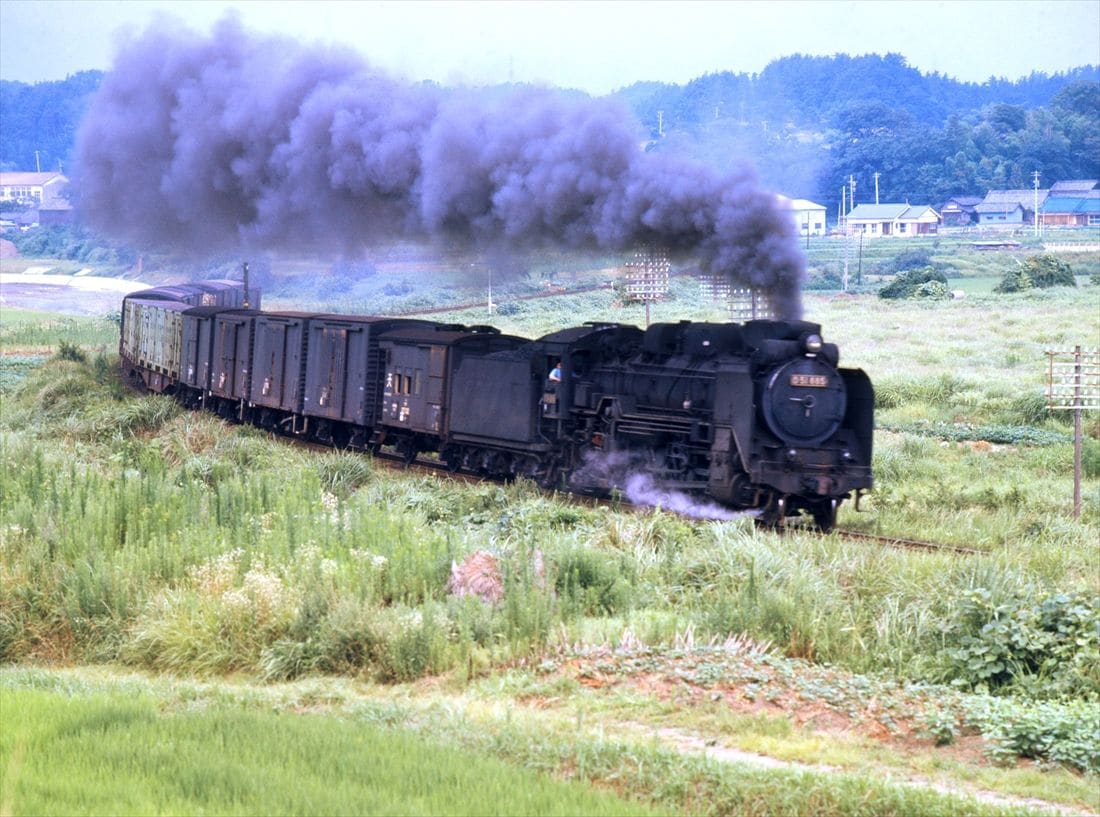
(373, 393)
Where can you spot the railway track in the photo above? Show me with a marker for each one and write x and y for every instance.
(428, 467)
(910, 544)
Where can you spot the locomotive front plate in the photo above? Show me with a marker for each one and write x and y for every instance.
(813, 381)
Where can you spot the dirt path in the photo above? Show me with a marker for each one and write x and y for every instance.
(688, 743)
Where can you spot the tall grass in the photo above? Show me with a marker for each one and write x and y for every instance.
(133, 531)
(21, 329)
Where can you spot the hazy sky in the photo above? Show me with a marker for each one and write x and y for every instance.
(595, 46)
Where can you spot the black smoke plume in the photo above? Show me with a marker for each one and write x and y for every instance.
(226, 141)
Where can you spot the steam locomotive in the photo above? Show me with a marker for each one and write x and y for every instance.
(755, 416)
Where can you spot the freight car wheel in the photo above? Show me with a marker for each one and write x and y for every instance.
(452, 459)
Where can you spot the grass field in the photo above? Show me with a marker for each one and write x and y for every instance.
(95, 742)
(117, 754)
(142, 537)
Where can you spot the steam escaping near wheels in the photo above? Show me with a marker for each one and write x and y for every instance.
(236, 142)
(635, 477)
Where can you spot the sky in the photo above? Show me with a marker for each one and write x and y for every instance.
(595, 46)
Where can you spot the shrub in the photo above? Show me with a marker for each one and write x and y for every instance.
(1057, 733)
(1038, 272)
(1015, 280)
(823, 279)
(1046, 270)
(907, 284)
(70, 351)
(1050, 647)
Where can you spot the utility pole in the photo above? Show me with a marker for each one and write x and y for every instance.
(660, 124)
(859, 268)
(37, 164)
(876, 186)
(244, 274)
(852, 193)
(843, 206)
(1035, 211)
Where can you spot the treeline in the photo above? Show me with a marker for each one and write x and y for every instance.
(810, 123)
(43, 117)
(806, 123)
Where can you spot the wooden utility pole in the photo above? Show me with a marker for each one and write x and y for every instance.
(1074, 385)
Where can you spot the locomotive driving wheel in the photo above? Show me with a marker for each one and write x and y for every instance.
(774, 514)
(824, 514)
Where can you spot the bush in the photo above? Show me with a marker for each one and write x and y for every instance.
(1047, 270)
(1049, 647)
(1038, 272)
(1057, 733)
(1015, 280)
(823, 279)
(908, 284)
(70, 351)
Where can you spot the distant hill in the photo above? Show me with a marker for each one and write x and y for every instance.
(810, 123)
(805, 123)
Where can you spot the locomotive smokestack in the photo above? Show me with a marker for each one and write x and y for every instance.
(231, 140)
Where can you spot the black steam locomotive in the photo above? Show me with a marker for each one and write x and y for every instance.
(753, 416)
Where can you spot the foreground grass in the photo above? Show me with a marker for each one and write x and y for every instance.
(117, 754)
(85, 743)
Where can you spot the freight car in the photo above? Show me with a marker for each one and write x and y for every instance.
(754, 416)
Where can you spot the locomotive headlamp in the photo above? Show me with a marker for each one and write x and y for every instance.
(813, 344)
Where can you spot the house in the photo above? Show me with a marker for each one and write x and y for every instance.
(1009, 208)
(1073, 187)
(32, 188)
(1080, 209)
(808, 216)
(958, 211)
(893, 219)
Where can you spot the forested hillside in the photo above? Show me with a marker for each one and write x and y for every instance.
(806, 123)
(43, 117)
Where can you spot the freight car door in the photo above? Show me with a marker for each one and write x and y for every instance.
(414, 387)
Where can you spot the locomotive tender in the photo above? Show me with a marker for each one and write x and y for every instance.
(754, 416)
